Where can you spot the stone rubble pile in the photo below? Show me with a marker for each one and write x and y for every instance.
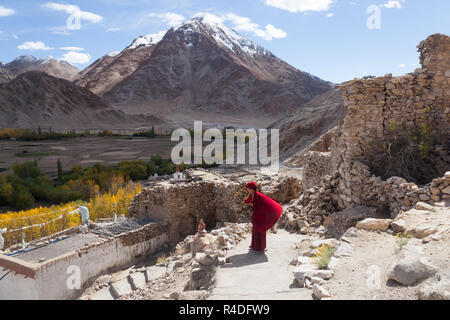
(313, 206)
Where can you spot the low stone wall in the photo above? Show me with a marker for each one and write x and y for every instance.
(52, 275)
(395, 194)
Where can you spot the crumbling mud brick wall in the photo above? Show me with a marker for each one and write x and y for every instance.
(377, 106)
(214, 199)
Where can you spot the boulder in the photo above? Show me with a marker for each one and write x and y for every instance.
(374, 224)
(436, 288)
(305, 260)
(301, 272)
(320, 292)
(424, 206)
(316, 280)
(423, 223)
(412, 267)
(345, 249)
(205, 259)
(351, 233)
(137, 280)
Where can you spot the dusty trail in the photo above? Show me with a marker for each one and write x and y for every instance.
(255, 276)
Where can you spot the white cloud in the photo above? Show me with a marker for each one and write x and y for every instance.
(34, 45)
(4, 12)
(329, 15)
(300, 5)
(401, 66)
(76, 57)
(170, 18)
(393, 4)
(72, 49)
(75, 14)
(15, 36)
(245, 24)
(271, 32)
(112, 29)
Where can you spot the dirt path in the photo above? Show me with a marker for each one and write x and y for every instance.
(254, 276)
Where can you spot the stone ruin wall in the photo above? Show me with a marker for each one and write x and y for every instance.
(339, 183)
(213, 198)
(373, 106)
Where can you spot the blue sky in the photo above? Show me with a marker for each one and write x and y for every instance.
(328, 38)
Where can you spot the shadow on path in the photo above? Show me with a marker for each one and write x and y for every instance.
(245, 259)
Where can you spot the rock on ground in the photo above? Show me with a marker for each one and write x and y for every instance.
(320, 292)
(412, 267)
(436, 288)
(374, 224)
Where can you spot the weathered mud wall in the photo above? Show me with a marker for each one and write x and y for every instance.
(214, 199)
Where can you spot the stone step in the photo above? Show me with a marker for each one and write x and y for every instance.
(121, 288)
(137, 280)
(103, 294)
(154, 272)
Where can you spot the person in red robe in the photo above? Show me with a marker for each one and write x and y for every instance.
(266, 212)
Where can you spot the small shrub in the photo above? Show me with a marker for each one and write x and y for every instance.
(402, 239)
(161, 260)
(323, 255)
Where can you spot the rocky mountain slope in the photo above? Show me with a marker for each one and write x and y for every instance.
(206, 71)
(49, 65)
(106, 72)
(4, 75)
(37, 99)
(312, 120)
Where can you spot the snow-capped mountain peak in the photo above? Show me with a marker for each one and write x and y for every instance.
(113, 54)
(148, 40)
(223, 35)
(25, 58)
(46, 59)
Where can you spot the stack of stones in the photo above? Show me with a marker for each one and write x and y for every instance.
(309, 211)
(208, 251)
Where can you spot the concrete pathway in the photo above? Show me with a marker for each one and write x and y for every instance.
(257, 276)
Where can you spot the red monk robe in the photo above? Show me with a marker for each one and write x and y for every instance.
(266, 213)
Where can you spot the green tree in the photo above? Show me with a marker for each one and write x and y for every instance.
(152, 133)
(60, 172)
(27, 170)
(22, 198)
